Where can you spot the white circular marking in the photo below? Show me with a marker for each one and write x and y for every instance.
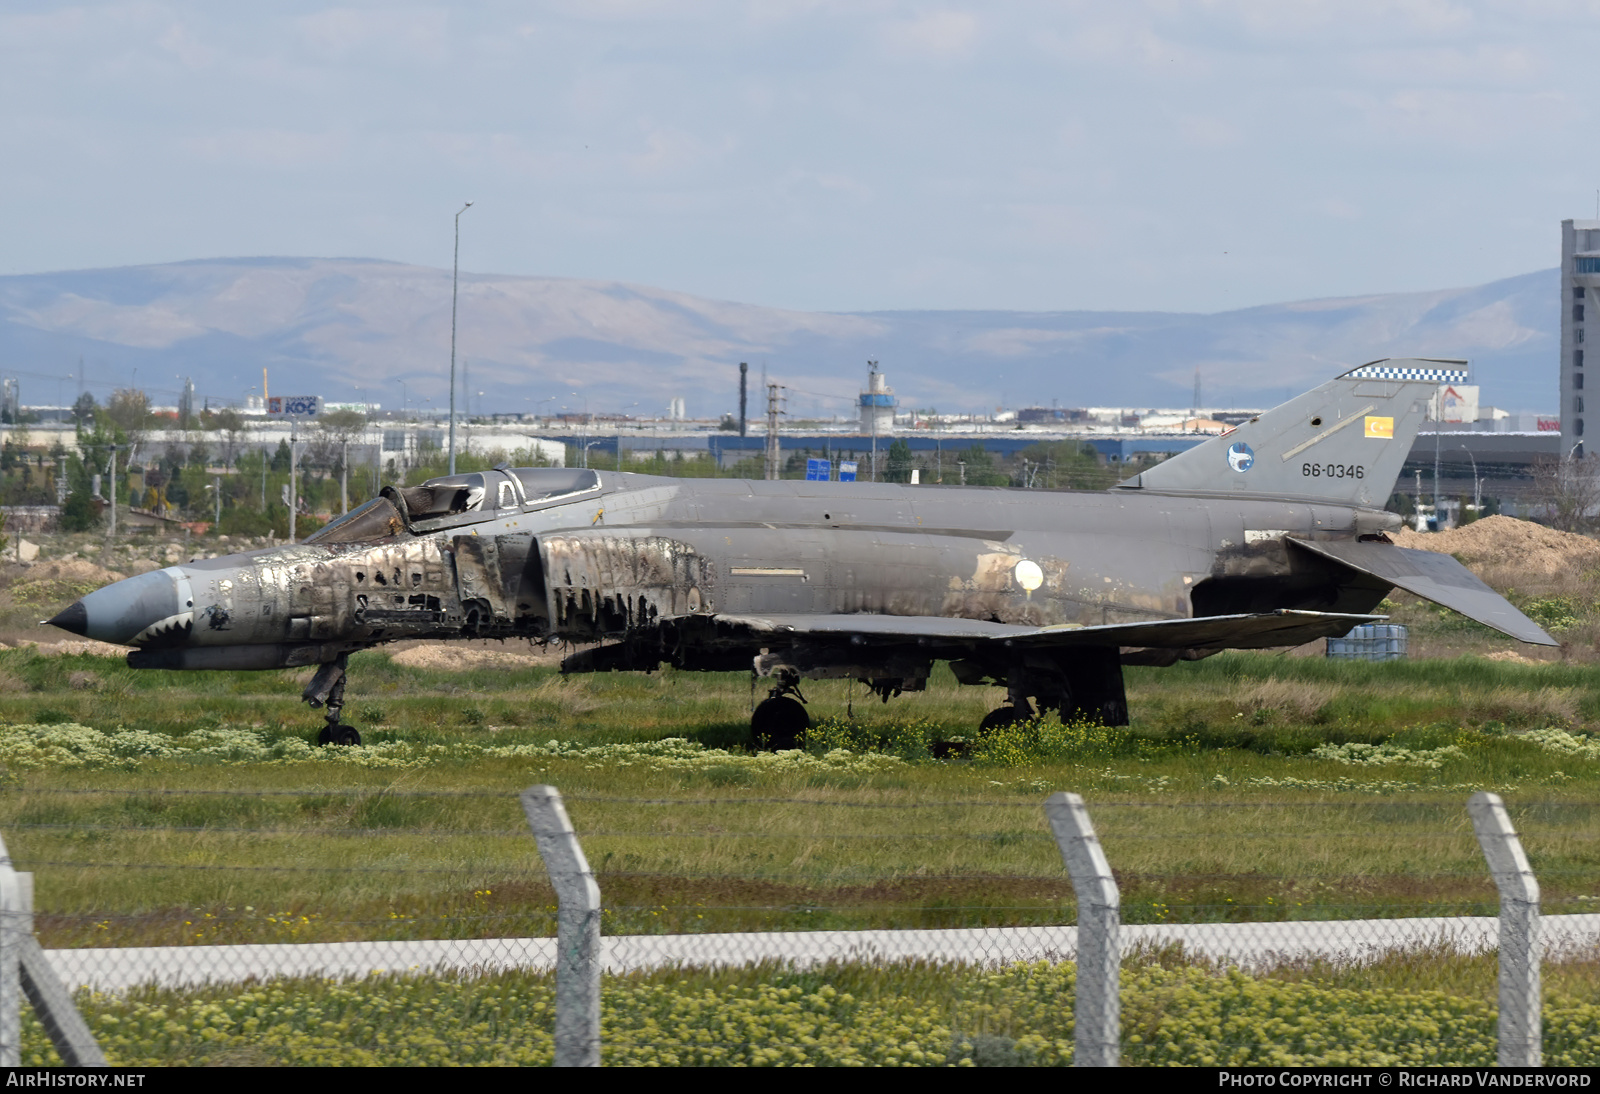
(1028, 574)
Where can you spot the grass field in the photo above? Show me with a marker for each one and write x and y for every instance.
(1249, 786)
(160, 808)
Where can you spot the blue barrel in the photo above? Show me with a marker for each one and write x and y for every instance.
(1371, 642)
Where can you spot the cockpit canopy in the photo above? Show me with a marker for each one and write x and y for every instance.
(456, 499)
(541, 484)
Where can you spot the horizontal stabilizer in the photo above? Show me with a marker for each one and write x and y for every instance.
(1212, 632)
(1436, 577)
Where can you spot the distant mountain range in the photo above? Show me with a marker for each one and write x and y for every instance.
(358, 328)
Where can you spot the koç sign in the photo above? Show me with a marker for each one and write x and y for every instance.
(294, 406)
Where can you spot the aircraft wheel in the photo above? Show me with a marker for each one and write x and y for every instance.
(1004, 716)
(778, 723)
(338, 735)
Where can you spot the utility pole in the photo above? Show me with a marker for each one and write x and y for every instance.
(455, 279)
(112, 468)
(216, 486)
(744, 378)
(344, 475)
(772, 430)
(294, 486)
(1439, 515)
(872, 415)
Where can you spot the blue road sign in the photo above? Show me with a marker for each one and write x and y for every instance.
(818, 470)
(847, 470)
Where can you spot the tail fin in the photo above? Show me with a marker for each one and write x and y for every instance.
(1342, 442)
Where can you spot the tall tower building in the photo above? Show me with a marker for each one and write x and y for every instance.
(1580, 294)
(877, 404)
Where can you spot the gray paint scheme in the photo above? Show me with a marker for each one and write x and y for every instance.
(1044, 593)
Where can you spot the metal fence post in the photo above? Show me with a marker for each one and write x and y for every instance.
(51, 1000)
(577, 1032)
(1097, 1014)
(11, 930)
(1521, 1021)
(24, 970)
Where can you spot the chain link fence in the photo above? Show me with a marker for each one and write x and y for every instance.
(392, 927)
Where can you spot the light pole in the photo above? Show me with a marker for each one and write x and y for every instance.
(1477, 484)
(455, 278)
(583, 437)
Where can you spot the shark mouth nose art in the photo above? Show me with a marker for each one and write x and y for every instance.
(152, 610)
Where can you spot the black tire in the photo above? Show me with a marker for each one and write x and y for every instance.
(779, 723)
(326, 736)
(1004, 716)
(346, 735)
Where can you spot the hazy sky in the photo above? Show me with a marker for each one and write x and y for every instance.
(816, 155)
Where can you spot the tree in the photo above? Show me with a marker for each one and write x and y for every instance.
(83, 410)
(327, 445)
(80, 514)
(1567, 491)
(342, 425)
(900, 462)
(980, 469)
(130, 410)
(1070, 465)
(228, 422)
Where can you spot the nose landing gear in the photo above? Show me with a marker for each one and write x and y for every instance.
(326, 689)
(779, 721)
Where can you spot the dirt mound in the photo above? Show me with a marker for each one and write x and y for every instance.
(75, 571)
(1515, 658)
(442, 657)
(1505, 541)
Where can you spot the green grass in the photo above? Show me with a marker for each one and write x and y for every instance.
(1247, 788)
(182, 809)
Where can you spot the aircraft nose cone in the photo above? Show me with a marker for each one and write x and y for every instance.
(74, 619)
(154, 609)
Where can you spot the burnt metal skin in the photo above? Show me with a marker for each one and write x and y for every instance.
(1046, 594)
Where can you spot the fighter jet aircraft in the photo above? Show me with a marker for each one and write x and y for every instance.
(1270, 535)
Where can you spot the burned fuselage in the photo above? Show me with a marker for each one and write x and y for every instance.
(704, 574)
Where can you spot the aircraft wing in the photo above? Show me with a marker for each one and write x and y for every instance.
(1280, 628)
(1436, 577)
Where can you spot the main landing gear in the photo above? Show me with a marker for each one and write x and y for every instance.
(326, 689)
(1008, 715)
(778, 722)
